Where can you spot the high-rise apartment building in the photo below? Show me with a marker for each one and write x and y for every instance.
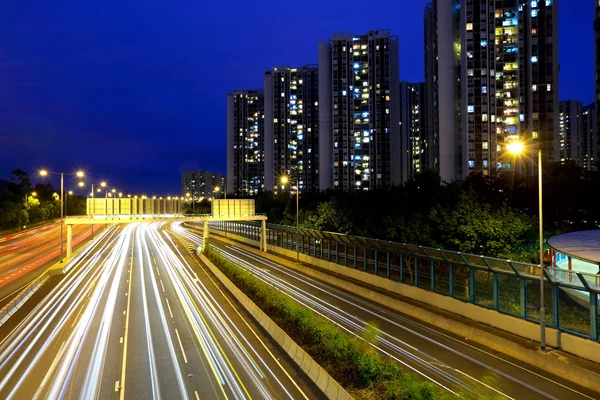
(414, 145)
(590, 138)
(359, 111)
(597, 82)
(201, 184)
(292, 127)
(245, 142)
(570, 143)
(443, 90)
(506, 88)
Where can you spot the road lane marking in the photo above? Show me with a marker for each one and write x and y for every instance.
(163, 286)
(116, 386)
(196, 394)
(124, 365)
(181, 345)
(169, 307)
(157, 271)
(121, 340)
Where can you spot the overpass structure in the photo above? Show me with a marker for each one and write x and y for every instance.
(222, 211)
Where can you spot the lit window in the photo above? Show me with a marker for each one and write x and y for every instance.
(471, 163)
(535, 135)
(484, 117)
(485, 163)
(534, 88)
(469, 26)
(484, 43)
(484, 145)
(471, 109)
(534, 13)
(534, 59)
(484, 89)
(549, 87)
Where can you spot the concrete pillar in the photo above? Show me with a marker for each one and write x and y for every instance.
(263, 237)
(69, 241)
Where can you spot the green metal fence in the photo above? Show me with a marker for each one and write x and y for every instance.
(510, 287)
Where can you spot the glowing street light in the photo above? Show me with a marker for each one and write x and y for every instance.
(285, 180)
(517, 148)
(79, 174)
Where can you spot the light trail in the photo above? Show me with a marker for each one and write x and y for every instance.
(76, 341)
(410, 356)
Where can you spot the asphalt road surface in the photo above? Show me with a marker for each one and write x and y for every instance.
(449, 361)
(137, 318)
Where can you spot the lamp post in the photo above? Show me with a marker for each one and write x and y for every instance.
(518, 148)
(69, 193)
(33, 194)
(79, 174)
(285, 180)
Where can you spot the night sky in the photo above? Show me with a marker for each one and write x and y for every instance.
(135, 91)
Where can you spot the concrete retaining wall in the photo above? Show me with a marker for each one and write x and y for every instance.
(329, 386)
(551, 361)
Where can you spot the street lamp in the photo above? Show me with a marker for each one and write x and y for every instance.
(69, 193)
(79, 174)
(518, 148)
(285, 180)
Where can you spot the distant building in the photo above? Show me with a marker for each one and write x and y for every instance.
(570, 132)
(292, 127)
(492, 78)
(245, 142)
(414, 145)
(201, 184)
(443, 90)
(359, 111)
(597, 86)
(590, 138)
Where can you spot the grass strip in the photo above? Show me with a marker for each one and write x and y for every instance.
(349, 360)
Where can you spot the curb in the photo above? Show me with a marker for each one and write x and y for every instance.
(19, 300)
(550, 361)
(329, 386)
(15, 304)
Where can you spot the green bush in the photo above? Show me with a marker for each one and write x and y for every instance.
(351, 361)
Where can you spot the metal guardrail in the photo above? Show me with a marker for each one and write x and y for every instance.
(510, 287)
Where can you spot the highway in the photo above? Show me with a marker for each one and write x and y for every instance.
(137, 317)
(450, 362)
(24, 255)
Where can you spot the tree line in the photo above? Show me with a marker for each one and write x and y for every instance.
(20, 207)
(491, 216)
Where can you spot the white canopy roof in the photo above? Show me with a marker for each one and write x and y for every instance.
(583, 245)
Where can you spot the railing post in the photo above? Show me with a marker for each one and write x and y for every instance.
(337, 253)
(365, 254)
(496, 291)
(432, 276)
(328, 250)
(472, 284)
(555, 315)
(346, 254)
(387, 263)
(523, 298)
(302, 243)
(401, 278)
(594, 316)
(416, 271)
(376, 259)
(321, 251)
(451, 280)
(355, 255)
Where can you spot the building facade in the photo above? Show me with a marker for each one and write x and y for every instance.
(506, 88)
(414, 145)
(597, 82)
(201, 184)
(590, 139)
(245, 142)
(359, 111)
(443, 90)
(570, 143)
(292, 127)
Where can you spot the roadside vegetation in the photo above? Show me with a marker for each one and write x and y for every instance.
(351, 361)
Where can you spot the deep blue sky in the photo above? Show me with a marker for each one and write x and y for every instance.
(135, 91)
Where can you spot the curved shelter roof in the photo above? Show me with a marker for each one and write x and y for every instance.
(583, 245)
